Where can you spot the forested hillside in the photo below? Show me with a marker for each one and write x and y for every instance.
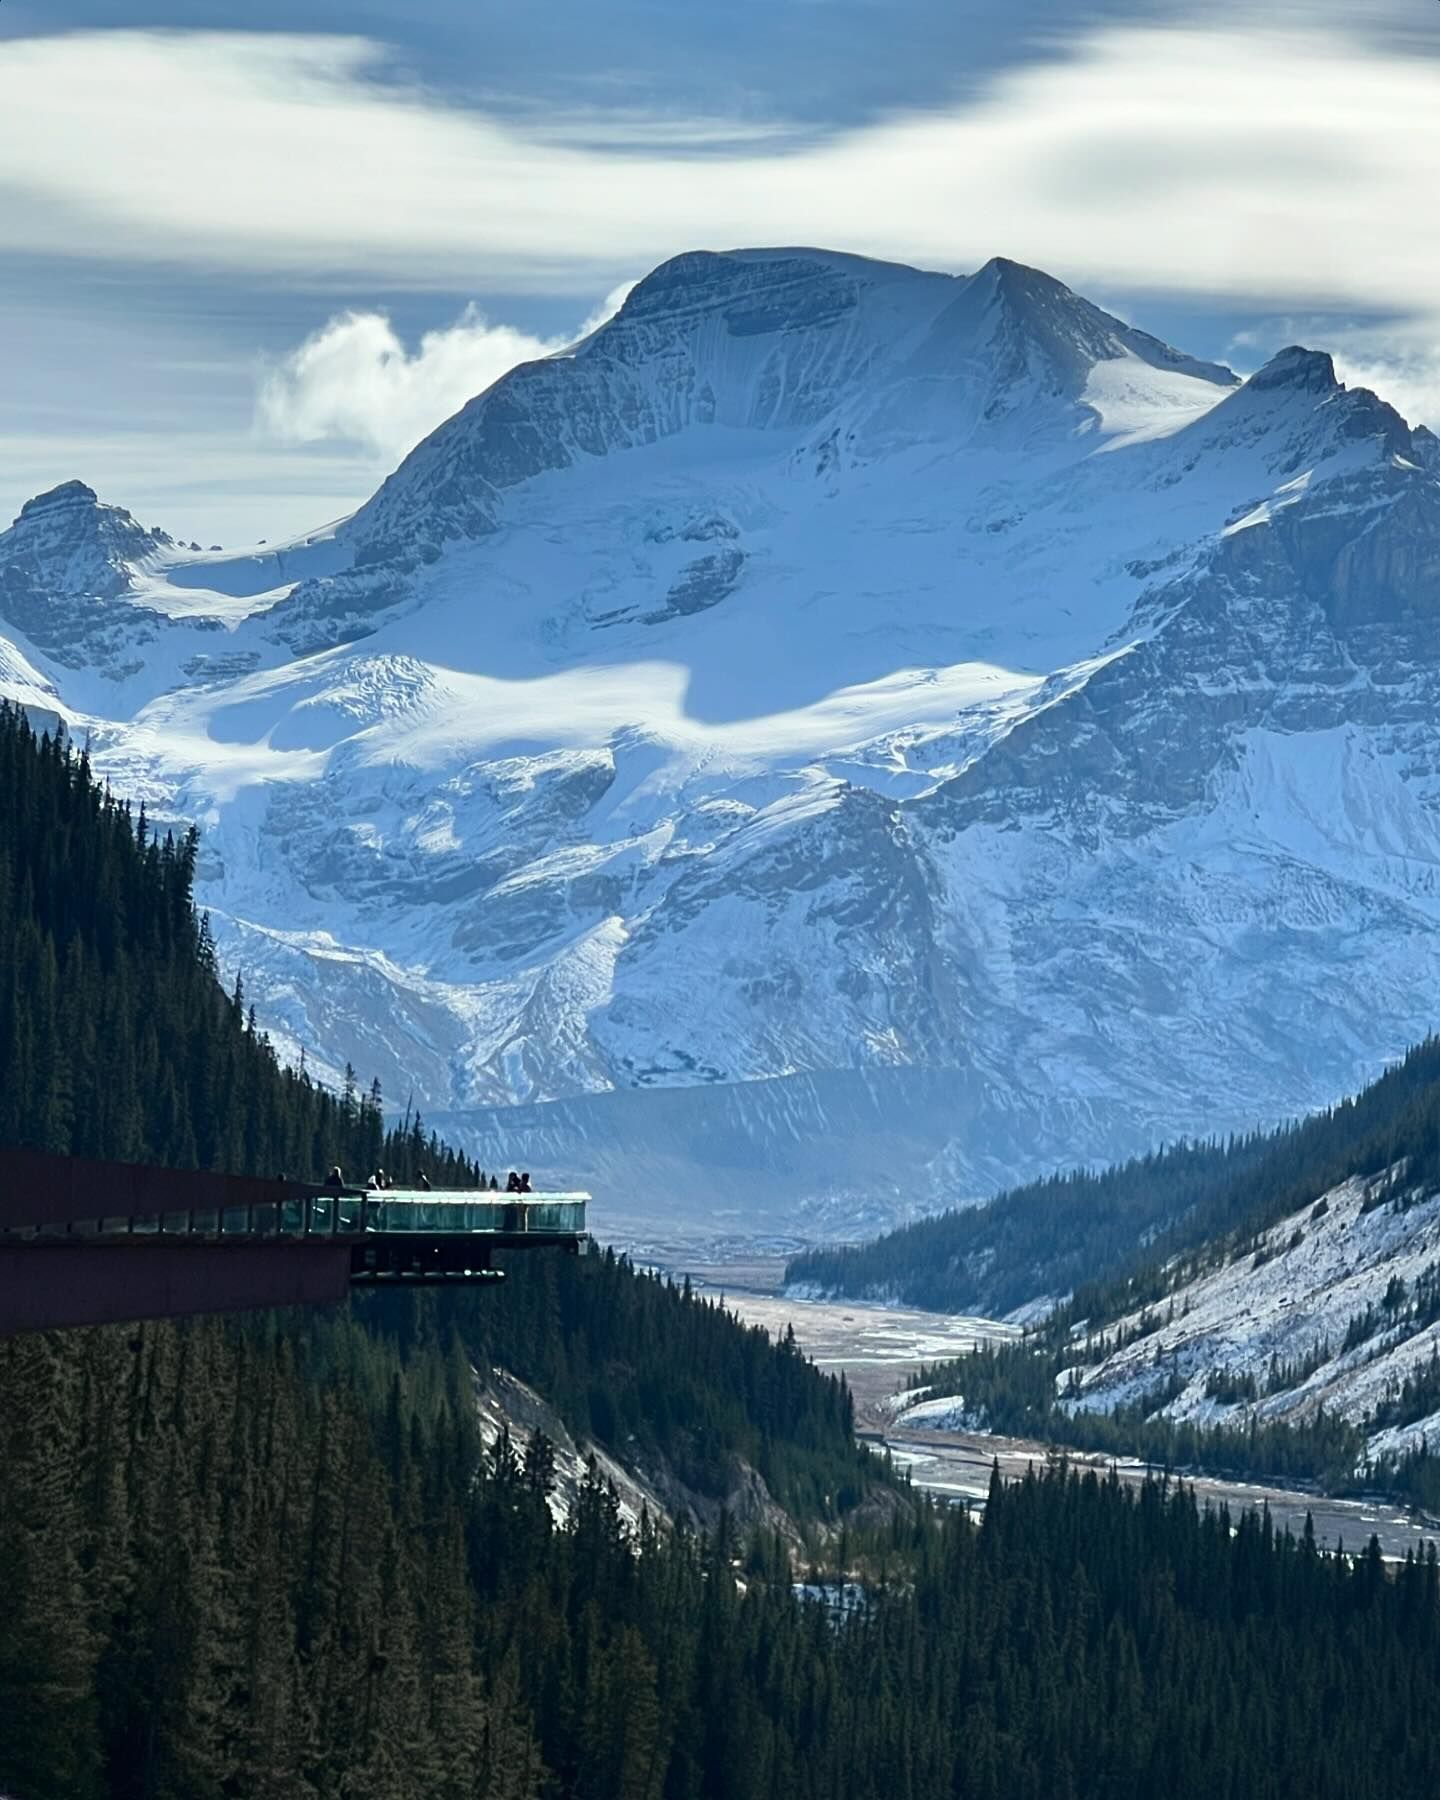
(275, 1564)
(116, 1038)
(1308, 1353)
(1273, 1313)
(1089, 1229)
(273, 1559)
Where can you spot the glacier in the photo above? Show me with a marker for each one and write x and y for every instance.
(835, 741)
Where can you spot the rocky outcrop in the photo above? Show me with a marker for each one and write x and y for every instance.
(66, 569)
(644, 1486)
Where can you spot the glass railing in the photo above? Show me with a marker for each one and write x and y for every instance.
(415, 1210)
(347, 1215)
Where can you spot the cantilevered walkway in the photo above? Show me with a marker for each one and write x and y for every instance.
(92, 1243)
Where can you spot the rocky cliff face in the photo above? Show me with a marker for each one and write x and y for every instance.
(67, 567)
(836, 740)
(644, 1488)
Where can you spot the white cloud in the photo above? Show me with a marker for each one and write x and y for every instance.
(353, 381)
(607, 308)
(1287, 172)
(1263, 163)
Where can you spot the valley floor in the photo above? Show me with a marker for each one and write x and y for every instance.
(878, 1348)
(956, 1465)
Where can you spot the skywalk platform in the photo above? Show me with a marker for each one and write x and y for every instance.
(84, 1243)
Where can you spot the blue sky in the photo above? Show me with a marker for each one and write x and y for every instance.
(252, 254)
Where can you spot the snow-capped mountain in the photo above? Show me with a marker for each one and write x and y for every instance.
(837, 739)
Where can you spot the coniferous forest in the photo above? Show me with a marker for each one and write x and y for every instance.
(273, 1558)
(116, 1038)
(270, 1562)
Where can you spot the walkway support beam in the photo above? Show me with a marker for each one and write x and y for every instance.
(38, 1189)
(53, 1286)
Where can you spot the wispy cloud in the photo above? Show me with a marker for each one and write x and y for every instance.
(1285, 172)
(1275, 164)
(607, 308)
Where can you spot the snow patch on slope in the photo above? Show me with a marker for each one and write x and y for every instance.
(1289, 1302)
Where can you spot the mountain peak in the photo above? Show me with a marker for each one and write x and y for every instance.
(1036, 302)
(1426, 447)
(757, 291)
(706, 662)
(788, 340)
(1039, 315)
(1303, 371)
(1019, 281)
(72, 515)
(68, 542)
(766, 264)
(67, 496)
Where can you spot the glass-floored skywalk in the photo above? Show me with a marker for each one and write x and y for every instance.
(89, 1242)
(396, 1235)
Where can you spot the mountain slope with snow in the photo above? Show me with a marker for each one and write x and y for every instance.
(1332, 1310)
(838, 739)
